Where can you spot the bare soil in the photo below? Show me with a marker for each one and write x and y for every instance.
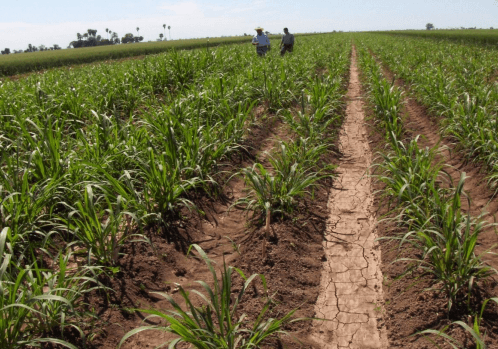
(351, 295)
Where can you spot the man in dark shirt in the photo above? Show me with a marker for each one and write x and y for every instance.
(287, 43)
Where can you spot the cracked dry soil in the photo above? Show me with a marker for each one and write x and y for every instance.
(351, 283)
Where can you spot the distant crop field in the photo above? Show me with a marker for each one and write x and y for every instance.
(34, 61)
(474, 36)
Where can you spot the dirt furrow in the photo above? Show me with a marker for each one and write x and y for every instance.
(351, 283)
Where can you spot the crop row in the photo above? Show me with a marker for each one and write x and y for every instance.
(92, 157)
(456, 83)
(484, 37)
(35, 61)
(426, 202)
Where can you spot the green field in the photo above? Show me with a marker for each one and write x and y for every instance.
(99, 160)
(27, 62)
(94, 157)
(472, 36)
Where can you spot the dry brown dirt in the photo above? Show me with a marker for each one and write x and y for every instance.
(351, 298)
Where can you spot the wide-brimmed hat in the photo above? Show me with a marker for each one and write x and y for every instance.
(259, 28)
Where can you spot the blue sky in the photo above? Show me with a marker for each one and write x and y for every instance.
(51, 22)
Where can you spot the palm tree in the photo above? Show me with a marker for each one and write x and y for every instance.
(138, 31)
(164, 26)
(169, 29)
(161, 36)
(107, 31)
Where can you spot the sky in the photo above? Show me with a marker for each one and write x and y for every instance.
(52, 22)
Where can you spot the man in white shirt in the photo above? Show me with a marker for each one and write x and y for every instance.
(261, 42)
(287, 43)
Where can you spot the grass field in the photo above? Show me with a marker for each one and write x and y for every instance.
(27, 62)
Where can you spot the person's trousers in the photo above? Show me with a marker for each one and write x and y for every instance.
(286, 47)
(261, 50)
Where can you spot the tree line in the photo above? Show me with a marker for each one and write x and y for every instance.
(88, 39)
(32, 48)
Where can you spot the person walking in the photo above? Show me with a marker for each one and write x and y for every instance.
(287, 43)
(261, 41)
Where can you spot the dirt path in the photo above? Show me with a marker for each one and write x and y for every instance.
(351, 283)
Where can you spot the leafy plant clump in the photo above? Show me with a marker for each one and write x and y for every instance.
(294, 174)
(217, 322)
(35, 302)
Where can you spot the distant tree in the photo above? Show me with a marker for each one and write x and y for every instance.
(169, 30)
(90, 38)
(138, 38)
(161, 36)
(429, 26)
(91, 41)
(491, 28)
(138, 30)
(107, 31)
(42, 48)
(164, 26)
(127, 38)
(6, 51)
(57, 47)
(115, 38)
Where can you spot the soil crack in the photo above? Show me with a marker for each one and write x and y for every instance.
(351, 283)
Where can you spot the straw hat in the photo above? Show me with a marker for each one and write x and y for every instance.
(259, 28)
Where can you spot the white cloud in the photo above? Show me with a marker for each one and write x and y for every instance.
(184, 9)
